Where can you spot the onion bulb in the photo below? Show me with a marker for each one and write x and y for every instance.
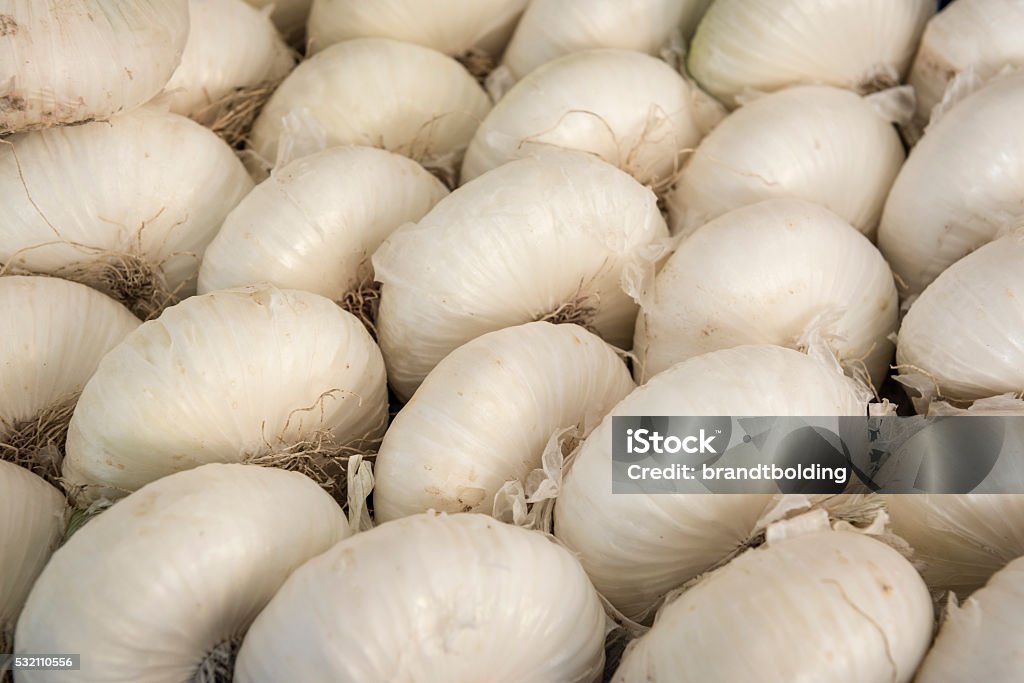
(32, 516)
(466, 597)
(117, 205)
(632, 110)
(782, 271)
(812, 604)
(164, 583)
(961, 186)
(255, 375)
(862, 45)
(288, 15)
(484, 415)
(72, 61)
(818, 143)
(493, 254)
(638, 547)
(379, 92)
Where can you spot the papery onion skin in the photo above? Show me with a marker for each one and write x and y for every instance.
(493, 255)
(226, 377)
(468, 597)
(146, 589)
(315, 223)
(483, 416)
(856, 44)
(72, 61)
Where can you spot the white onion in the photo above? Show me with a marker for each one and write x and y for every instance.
(634, 111)
(231, 45)
(431, 598)
(811, 605)
(980, 640)
(961, 186)
(314, 224)
(231, 376)
(288, 15)
(494, 254)
(32, 515)
(552, 28)
(638, 547)
(484, 415)
(117, 205)
(381, 93)
(782, 271)
(146, 590)
(862, 45)
(963, 338)
(818, 143)
(72, 61)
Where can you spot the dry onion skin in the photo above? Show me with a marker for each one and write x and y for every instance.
(315, 223)
(961, 185)
(810, 605)
(383, 93)
(167, 580)
(493, 255)
(467, 597)
(782, 271)
(257, 374)
(117, 205)
(638, 547)
(32, 516)
(862, 45)
(289, 16)
(485, 414)
(822, 144)
(72, 61)
(632, 110)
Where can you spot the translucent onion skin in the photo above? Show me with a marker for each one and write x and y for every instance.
(861, 45)
(965, 333)
(315, 223)
(224, 377)
(961, 185)
(467, 597)
(484, 415)
(980, 640)
(493, 254)
(632, 110)
(831, 606)
(775, 272)
(72, 61)
(381, 93)
(153, 584)
(638, 547)
(822, 144)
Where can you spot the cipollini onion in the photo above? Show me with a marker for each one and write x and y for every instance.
(823, 144)
(254, 374)
(811, 604)
(492, 255)
(467, 598)
(116, 205)
(56, 333)
(71, 61)
(166, 581)
(856, 44)
(782, 271)
(314, 224)
(632, 110)
(961, 185)
(485, 414)
(638, 547)
(32, 516)
(382, 93)
(963, 338)
(980, 639)
(289, 16)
